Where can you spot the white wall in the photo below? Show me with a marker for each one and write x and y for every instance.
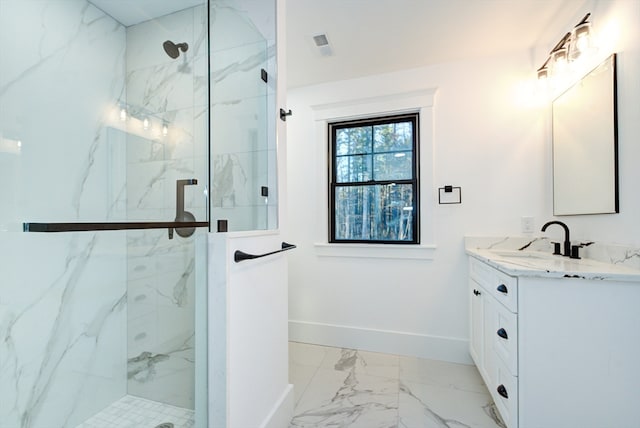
(248, 336)
(491, 139)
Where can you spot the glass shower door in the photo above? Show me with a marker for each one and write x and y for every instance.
(244, 190)
(104, 141)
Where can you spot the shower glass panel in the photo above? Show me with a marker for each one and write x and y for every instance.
(243, 86)
(103, 122)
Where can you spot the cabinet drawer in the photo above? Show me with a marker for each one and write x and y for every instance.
(505, 394)
(503, 336)
(500, 285)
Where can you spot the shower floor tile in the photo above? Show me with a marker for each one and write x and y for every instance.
(135, 412)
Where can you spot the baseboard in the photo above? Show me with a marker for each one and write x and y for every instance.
(391, 342)
(282, 412)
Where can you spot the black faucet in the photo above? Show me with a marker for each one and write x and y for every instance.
(567, 240)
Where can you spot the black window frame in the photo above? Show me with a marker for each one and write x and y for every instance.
(414, 118)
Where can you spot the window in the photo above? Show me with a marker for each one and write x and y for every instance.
(374, 180)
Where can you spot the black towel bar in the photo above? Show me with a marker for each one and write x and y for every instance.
(240, 256)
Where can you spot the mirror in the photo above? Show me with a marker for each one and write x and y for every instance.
(585, 152)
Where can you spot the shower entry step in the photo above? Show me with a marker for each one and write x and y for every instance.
(136, 412)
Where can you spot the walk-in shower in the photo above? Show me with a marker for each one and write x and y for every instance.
(103, 323)
(115, 159)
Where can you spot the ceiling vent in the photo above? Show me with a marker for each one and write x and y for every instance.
(321, 41)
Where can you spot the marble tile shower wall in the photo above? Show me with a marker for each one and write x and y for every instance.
(242, 135)
(161, 284)
(62, 296)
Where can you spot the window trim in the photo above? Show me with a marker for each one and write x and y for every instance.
(414, 181)
(382, 103)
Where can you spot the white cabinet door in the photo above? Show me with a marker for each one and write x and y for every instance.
(476, 330)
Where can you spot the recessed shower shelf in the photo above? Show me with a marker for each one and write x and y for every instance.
(88, 227)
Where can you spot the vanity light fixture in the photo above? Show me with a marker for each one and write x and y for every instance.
(580, 39)
(571, 47)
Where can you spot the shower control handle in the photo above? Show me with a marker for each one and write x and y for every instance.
(181, 214)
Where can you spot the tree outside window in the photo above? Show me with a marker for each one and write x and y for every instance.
(374, 180)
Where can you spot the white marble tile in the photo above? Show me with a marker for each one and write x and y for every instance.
(237, 179)
(244, 131)
(135, 412)
(75, 300)
(166, 374)
(235, 73)
(362, 362)
(140, 149)
(142, 333)
(359, 388)
(160, 88)
(231, 26)
(304, 361)
(201, 82)
(56, 42)
(440, 373)
(145, 185)
(200, 47)
(300, 376)
(307, 354)
(345, 398)
(144, 40)
(432, 406)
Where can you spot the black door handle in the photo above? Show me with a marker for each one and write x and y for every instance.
(503, 333)
(503, 391)
(181, 214)
(502, 288)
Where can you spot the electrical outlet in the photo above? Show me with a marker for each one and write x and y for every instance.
(526, 224)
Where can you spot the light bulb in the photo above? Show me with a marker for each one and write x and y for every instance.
(543, 73)
(165, 130)
(559, 61)
(123, 114)
(580, 40)
(145, 124)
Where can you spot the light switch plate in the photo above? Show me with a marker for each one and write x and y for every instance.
(526, 224)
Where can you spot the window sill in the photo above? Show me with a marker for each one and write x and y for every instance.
(376, 251)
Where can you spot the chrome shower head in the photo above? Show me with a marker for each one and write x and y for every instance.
(173, 50)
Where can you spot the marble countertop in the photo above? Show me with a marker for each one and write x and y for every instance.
(538, 261)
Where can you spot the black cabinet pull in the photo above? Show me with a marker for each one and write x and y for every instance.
(503, 289)
(476, 292)
(503, 333)
(503, 391)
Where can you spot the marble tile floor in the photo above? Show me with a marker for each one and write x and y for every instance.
(136, 412)
(357, 389)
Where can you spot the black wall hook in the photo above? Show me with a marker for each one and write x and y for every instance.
(284, 114)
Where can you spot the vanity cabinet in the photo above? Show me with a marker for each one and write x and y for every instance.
(557, 351)
(494, 333)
